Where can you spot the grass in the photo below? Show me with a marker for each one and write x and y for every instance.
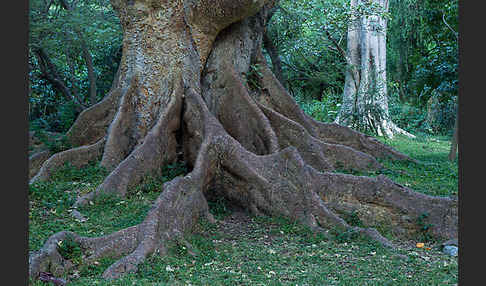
(434, 174)
(251, 250)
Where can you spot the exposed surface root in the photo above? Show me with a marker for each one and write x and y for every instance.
(49, 259)
(36, 160)
(89, 128)
(275, 97)
(78, 157)
(242, 119)
(157, 150)
(330, 219)
(339, 134)
(92, 124)
(320, 155)
(284, 189)
(380, 201)
(120, 139)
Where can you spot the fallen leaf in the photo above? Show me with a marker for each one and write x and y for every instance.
(169, 269)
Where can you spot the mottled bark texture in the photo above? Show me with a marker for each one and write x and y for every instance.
(365, 102)
(184, 87)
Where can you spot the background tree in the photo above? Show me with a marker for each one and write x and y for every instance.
(365, 99)
(73, 57)
(312, 67)
(423, 64)
(193, 86)
(421, 59)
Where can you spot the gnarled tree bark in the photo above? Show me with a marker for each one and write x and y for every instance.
(182, 88)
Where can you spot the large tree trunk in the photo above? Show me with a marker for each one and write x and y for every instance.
(365, 103)
(182, 89)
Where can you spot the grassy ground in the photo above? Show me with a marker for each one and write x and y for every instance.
(243, 250)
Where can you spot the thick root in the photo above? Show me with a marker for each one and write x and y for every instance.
(380, 201)
(338, 134)
(329, 219)
(88, 129)
(242, 118)
(92, 124)
(157, 149)
(78, 157)
(120, 141)
(275, 97)
(48, 258)
(321, 156)
(36, 161)
(226, 94)
(176, 211)
(280, 184)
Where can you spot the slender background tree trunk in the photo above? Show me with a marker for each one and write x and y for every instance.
(455, 139)
(365, 103)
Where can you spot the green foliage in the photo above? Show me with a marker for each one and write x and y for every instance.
(253, 77)
(61, 34)
(407, 116)
(171, 171)
(218, 208)
(424, 227)
(421, 58)
(325, 109)
(91, 172)
(347, 236)
(59, 145)
(69, 248)
(59, 116)
(50, 205)
(422, 51)
(153, 183)
(435, 176)
(149, 184)
(353, 219)
(310, 65)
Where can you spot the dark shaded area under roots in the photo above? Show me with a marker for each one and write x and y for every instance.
(221, 205)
